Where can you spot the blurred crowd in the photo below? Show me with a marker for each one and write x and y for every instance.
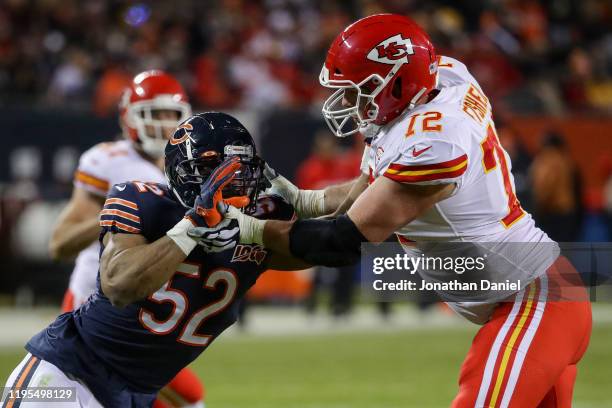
(546, 56)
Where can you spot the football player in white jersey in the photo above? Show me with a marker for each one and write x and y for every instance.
(150, 109)
(434, 170)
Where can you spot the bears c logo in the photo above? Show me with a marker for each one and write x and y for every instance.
(392, 50)
(185, 128)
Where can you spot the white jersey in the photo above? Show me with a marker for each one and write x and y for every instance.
(99, 169)
(452, 140)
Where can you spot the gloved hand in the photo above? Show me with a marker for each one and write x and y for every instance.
(236, 227)
(307, 203)
(223, 236)
(210, 206)
(208, 212)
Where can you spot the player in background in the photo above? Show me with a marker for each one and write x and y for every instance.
(150, 109)
(161, 299)
(436, 172)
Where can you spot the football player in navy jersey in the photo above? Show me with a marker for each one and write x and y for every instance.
(161, 298)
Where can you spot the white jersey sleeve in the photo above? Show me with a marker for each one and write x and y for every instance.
(430, 161)
(93, 173)
(111, 163)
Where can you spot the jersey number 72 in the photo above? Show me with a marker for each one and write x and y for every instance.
(492, 152)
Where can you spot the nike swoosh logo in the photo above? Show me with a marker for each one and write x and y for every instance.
(417, 153)
(121, 188)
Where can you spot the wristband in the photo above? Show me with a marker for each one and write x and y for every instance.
(178, 234)
(251, 229)
(310, 203)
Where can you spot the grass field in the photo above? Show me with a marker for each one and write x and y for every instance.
(416, 368)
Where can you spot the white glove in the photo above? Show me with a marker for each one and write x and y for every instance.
(307, 203)
(219, 238)
(236, 227)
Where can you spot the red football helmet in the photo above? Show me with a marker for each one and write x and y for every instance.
(150, 93)
(388, 61)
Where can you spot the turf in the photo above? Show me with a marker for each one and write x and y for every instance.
(384, 370)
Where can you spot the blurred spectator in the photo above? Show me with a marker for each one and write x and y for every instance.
(556, 190)
(109, 88)
(71, 79)
(211, 86)
(583, 90)
(327, 163)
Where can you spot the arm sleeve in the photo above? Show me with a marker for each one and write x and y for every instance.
(121, 212)
(328, 242)
(91, 174)
(429, 162)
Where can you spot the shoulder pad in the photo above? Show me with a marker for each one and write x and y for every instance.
(121, 212)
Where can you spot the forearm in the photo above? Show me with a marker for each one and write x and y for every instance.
(134, 273)
(338, 199)
(67, 241)
(276, 236)
(337, 241)
(335, 195)
(316, 203)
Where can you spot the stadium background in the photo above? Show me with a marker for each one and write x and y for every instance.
(310, 340)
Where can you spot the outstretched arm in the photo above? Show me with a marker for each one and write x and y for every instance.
(338, 199)
(334, 199)
(337, 241)
(131, 268)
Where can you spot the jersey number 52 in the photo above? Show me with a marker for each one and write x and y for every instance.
(167, 294)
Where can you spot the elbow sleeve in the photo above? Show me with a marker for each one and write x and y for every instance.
(331, 242)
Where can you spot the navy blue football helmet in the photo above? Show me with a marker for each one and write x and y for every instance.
(201, 143)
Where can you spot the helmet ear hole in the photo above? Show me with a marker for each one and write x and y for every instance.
(396, 91)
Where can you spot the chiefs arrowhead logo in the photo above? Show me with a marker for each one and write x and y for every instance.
(392, 50)
(184, 128)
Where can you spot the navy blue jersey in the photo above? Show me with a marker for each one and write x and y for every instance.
(125, 355)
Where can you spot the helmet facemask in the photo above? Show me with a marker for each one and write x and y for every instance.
(143, 117)
(248, 181)
(345, 121)
(366, 108)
